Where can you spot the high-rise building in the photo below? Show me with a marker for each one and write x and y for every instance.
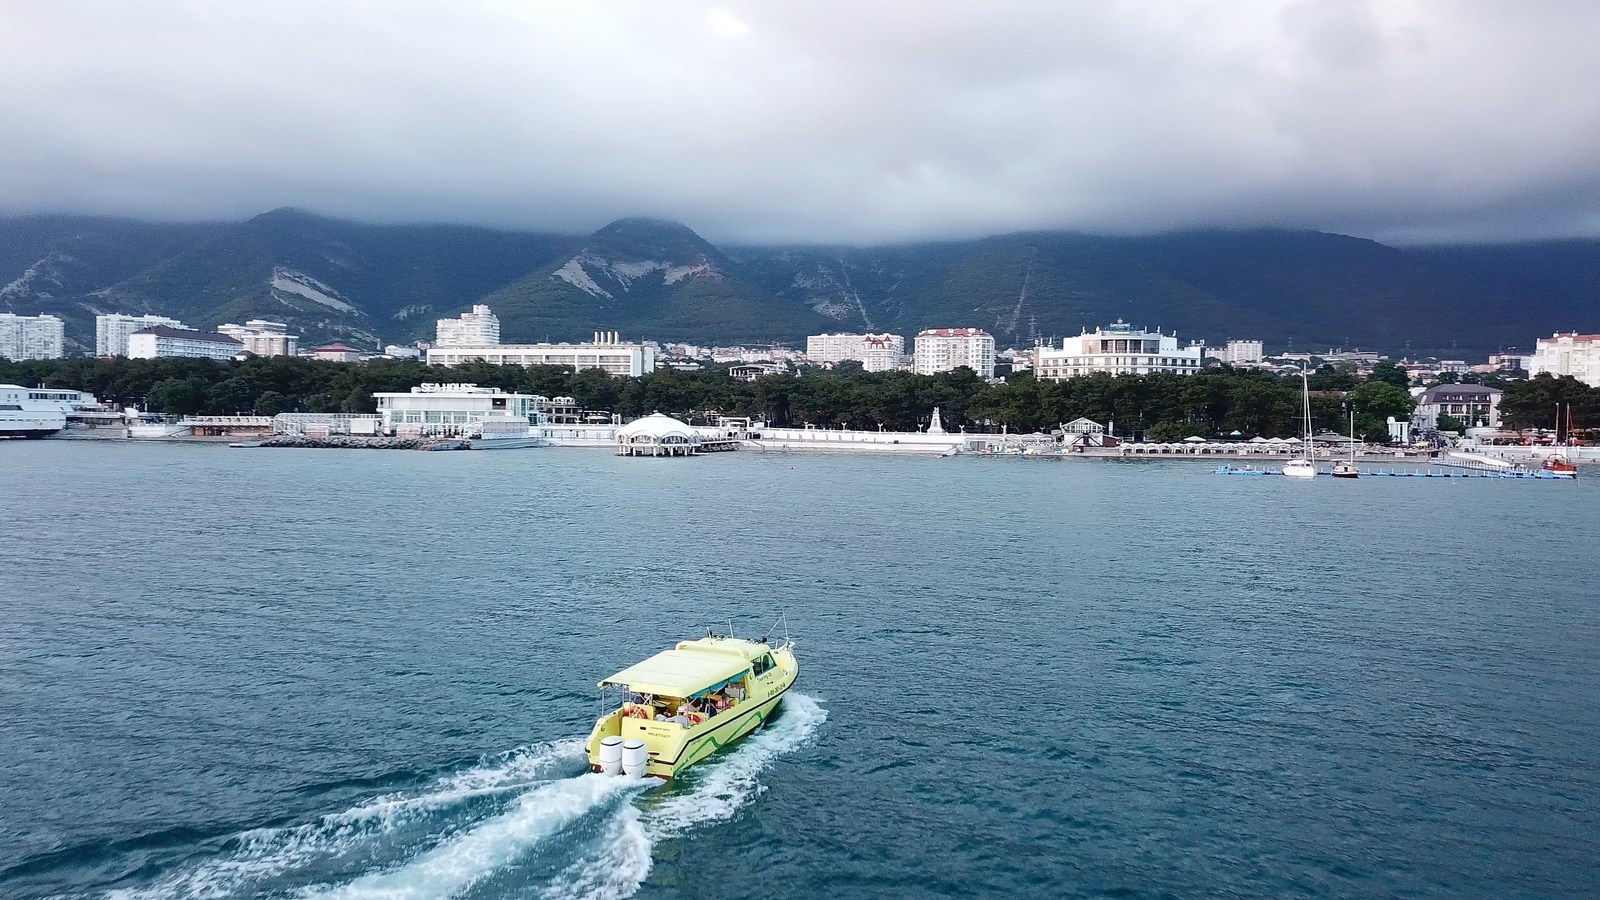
(111, 331)
(263, 338)
(1238, 353)
(875, 352)
(1117, 349)
(1568, 353)
(471, 329)
(943, 349)
(161, 341)
(31, 337)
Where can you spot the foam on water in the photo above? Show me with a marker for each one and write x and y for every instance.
(711, 792)
(466, 858)
(264, 853)
(471, 825)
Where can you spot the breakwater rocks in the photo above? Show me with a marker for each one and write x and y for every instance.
(354, 442)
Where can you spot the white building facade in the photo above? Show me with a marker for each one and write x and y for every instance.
(606, 352)
(263, 338)
(1474, 405)
(448, 409)
(1571, 353)
(31, 337)
(1238, 353)
(161, 342)
(875, 352)
(943, 349)
(471, 329)
(1118, 349)
(111, 331)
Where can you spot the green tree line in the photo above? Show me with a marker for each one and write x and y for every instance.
(1160, 406)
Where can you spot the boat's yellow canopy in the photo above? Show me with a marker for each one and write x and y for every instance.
(681, 673)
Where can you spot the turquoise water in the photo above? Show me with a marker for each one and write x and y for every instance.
(344, 674)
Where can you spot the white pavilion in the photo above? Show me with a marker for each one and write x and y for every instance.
(657, 435)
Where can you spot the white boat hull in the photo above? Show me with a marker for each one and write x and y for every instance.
(31, 424)
(507, 443)
(1300, 470)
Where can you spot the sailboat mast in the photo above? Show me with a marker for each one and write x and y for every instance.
(1305, 392)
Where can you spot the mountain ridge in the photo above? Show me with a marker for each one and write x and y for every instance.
(658, 279)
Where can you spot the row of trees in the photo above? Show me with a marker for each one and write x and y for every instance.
(1162, 406)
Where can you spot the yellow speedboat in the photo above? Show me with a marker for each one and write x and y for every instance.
(682, 705)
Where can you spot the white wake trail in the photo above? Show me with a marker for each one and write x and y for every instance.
(509, 812)
(265, 853)
(487, 847)
(713, 791)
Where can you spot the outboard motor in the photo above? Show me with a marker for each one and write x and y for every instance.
(634, 758)
(611, 755)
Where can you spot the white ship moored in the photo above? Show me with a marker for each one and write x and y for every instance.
(37, 412)
(504, 433)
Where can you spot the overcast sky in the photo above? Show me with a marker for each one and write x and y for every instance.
(814, 120)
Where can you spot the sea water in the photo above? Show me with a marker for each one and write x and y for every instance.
(348, 674)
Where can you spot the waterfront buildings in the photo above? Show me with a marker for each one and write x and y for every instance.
(1568, 353)
(163, 341)
(31, 337)
(263, 338)
(1475, 405)
(1117, 349)
(111, 331)
(943, 349)
(875, 352)
(606, 352)
(449, 409)
(470, 329)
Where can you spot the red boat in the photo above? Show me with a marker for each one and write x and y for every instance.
(1560, 466)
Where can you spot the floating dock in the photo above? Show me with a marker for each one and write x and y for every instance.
(1472, 473)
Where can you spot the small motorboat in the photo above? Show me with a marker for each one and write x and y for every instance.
(680, 706)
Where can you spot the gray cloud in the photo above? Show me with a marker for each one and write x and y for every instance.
(815, 119)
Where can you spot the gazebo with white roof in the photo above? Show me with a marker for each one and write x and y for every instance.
(657, 435)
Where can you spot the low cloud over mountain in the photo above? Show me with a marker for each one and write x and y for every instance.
(821, 121)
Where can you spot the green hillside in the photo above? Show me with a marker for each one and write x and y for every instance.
(651, 279)
(647, 279)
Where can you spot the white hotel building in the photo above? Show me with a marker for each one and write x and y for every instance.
(111, 331)
(943, 349)
(875, 352)
(1568, 353)
(263, 338)
(31, 337)
(1238, 353)
(1118, 349)
(607, 352)
(161, 342)
(475, 328)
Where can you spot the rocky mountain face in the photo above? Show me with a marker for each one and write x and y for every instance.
(647, 278)
(368, 284)
(329, 279)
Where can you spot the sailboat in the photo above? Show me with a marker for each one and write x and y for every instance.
(1347, 468)
(1302, 467)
